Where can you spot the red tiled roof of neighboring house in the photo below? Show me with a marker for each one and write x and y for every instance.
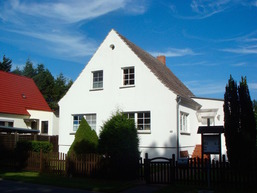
(19, 93)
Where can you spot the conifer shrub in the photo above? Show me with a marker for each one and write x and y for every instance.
(118, 140)
(86, 140)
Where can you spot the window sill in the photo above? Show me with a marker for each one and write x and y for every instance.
(144, 131)
(184, 133)
(96, 89)
(129, 86)
(73, 133)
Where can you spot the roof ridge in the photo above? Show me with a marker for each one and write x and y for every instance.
(12, 74)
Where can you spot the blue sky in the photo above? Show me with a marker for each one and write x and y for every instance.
(204, 41)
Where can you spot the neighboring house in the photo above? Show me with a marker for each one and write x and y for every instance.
(122, 76)
(22, 105)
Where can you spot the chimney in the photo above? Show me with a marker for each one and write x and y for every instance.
(162, 59)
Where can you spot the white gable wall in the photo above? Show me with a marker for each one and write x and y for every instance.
(149, 94)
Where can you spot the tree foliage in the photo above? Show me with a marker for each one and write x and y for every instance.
(85, 141)
(6, 64)
(240, 126)
(52, 89)
(118, 140)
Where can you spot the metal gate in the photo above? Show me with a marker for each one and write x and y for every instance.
(159, 170)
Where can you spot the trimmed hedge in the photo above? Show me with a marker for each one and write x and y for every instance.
(23, 146)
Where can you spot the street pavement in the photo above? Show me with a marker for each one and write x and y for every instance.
(7, 186)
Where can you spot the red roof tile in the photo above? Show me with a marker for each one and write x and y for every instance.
(19, 93)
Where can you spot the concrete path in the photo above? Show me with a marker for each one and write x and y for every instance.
(7, 186)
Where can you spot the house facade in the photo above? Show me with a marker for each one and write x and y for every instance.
(23, 106)
(122, 77)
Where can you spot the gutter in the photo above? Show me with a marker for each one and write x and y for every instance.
(178, 99)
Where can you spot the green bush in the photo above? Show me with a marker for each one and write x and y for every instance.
(119, 141)
(86, 140)
(24, 146)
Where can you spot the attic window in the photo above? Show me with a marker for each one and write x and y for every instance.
(23, 96)
(128, 76)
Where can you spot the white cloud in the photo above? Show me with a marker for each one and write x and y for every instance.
(57, 23)
(241, 50)
(175, 52)
(252, 86)
(206, 9)
(66, 10)
(239, 64)
(206, 87)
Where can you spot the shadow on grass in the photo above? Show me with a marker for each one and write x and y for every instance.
(98, 185)
(183, 188)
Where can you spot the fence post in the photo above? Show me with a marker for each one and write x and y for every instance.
(147, 168)
(173, 170)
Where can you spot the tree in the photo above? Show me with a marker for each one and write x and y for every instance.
(86, 140)
(118, 140)
(17, 71)
(45, 83)
(6, 64)
(240, 126)
(255, 115)
(29, 70)
(52, 89)
(255, 110)
(61, 86)
(247, 122)
(231, 120)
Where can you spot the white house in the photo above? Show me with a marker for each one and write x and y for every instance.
(122, 76)
(22, 106)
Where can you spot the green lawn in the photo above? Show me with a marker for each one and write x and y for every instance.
(100, 185)
(110, 186)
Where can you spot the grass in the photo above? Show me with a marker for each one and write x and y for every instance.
(99, 185)
(110, 186)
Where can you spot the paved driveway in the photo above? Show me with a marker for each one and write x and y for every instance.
(7, 186)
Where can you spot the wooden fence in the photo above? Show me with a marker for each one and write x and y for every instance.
(60, 164)
(156, 170)
(197, 172)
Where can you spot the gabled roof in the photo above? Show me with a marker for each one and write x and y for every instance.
(161, 71)
(19, 93)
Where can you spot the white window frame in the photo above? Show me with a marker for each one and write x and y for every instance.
(90, 118)
(127, 79)
(43, 127)
(142, 120)
(7, 123)
(184, 122)
(97, 79)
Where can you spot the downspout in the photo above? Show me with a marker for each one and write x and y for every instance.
(178, 102)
